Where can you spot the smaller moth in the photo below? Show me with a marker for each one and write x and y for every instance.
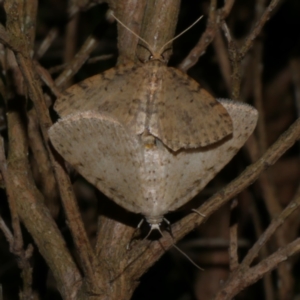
(138, 172)
(150, 97)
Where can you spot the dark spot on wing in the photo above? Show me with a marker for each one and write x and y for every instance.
(197, 182)
(214, 103)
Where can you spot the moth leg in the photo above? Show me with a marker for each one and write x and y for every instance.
(169, 228)
(199, 213)
(128, 247)
(178, 249)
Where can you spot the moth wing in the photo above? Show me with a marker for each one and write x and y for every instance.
(190, 171)
(114, 92)
(103, 152)
(187, 116)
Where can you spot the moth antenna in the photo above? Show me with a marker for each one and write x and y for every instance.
(180, 34)
(140, 38)
(160, 231)
(178, 249)
(187, 257)
(136, 229)
(148, 233)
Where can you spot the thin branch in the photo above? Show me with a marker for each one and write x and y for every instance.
(17, 246)
(35, 92)
(266, 183)
(30, 204)
(222, 56)
(46, 43)
(16, 240)
(276, 222)
(79, 59)
(46, 177)
(91, 60)
(237, 54)
(244, 278)
(214, 19)
(71, 38)
(233, 236)
(257, 28)
(268, 285)
(7, 233)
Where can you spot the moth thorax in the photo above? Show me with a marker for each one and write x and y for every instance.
(154, 222)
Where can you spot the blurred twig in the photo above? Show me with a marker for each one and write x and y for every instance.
(215, 17)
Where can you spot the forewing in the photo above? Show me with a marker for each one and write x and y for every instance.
(103, 152)
(185, 115)
(189, 171)
(116, 92)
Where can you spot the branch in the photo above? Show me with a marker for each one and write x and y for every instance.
(214, 19)
(35, 92)
(244, 278)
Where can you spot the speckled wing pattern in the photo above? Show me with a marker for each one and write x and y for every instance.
(189, 171)
(173, 179)
(184, 115)
(152, 97)
(103, 152)
(144, 178)
(114, 92)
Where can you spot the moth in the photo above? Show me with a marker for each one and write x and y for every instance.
(137, 171)
(150, 97)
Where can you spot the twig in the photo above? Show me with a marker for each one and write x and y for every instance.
(233, 236)
(268, 285)
(276, 222)
(27, 68)
(46, 177)
(16, 240)
(46, 43)
(74, 6)
(244, 278)
(131, 13)
(156, 17)
(7, 233)
(257, 28)
(79, 59)
(29, 20)
(30, 203)
(17, 245)
(253, 252)
(266, 183)
(212, 243)
(71, 41)
(91, 60)
(71, 38)
(222, 56)
(258, 95)
(47, 79)
(214, 19)
(237, 54)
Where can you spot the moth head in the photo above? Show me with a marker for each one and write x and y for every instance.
(160, 55)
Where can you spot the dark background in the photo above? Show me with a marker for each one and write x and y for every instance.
(173, 277)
